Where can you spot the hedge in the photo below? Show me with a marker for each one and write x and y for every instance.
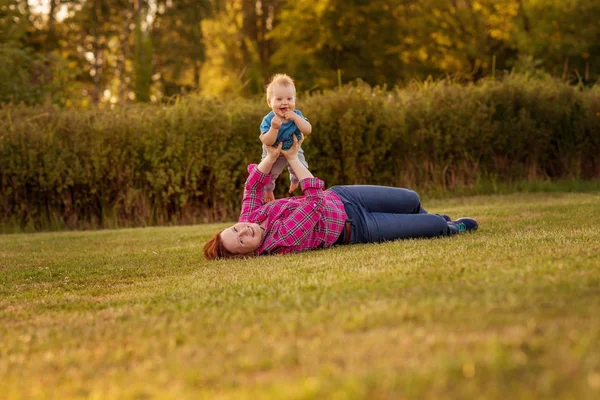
(185, 162)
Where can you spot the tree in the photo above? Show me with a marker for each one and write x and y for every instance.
(563, 34)
(239, 46)
(320, 42)
(23, 76)
(179, 42)
(142, 64)
(458, 37)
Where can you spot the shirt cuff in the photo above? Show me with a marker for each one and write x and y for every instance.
(256, 177)
(311, 183)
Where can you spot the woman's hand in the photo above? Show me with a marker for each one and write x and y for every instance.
(274, 152)
(292, 152)
(291, 156)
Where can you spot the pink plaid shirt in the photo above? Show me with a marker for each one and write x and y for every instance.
(298, 223)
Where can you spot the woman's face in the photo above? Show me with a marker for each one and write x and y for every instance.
(243, 237)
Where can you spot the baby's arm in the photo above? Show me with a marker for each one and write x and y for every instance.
(268, 138)
(303, 125)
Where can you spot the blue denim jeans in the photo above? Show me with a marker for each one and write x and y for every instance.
(381, 213)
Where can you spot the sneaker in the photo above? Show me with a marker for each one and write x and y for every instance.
(446, 217)
(464, 225)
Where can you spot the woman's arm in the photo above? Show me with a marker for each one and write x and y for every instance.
(291, 155)
(259, 176)
(289, 233)
(272, 155)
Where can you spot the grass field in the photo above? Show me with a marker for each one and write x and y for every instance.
(511, 311)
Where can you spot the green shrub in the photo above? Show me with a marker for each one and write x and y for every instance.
(186, 162)
(22, 76)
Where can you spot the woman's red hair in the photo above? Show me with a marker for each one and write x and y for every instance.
(214, 248)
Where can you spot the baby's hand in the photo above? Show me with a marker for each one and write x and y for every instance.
(276, 122)
(289, 115)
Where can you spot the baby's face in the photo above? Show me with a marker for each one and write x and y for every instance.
(282, 99)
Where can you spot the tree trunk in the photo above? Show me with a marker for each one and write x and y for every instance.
(249, 29)
(268, 20)
(124, 55)
(565, 68)
(197, 66)
(587, 71)
(526, 22)
(97, 54)
(51, 40)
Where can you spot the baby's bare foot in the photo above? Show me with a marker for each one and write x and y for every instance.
(293, 186)
(269, 196)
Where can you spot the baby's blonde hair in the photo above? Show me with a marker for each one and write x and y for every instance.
(279, 80)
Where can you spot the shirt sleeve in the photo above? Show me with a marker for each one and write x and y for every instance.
(300, 114)
(289, 232)
(265, 125)
(253, 191)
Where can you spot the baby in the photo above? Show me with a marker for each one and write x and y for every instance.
(279, 125)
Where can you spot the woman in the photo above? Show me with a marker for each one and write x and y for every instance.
(321, 218)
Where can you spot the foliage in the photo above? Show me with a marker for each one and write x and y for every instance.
(179, 42)
(354, 37)
(22, 77)
(510, 311)
(18, 73)
(224, 72)
(448, 135)
(104, 52)
(563, 35)
(186, 162)
(238, 47)
(142, 66)
(459, 38)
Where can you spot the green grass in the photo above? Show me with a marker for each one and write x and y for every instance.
(512, 311)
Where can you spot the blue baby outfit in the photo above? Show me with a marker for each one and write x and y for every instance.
(286, 131)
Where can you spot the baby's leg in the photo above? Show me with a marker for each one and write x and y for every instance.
(275, 172)
(294, 182)
(268, 197)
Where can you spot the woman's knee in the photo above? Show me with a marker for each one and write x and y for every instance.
(414, 196)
